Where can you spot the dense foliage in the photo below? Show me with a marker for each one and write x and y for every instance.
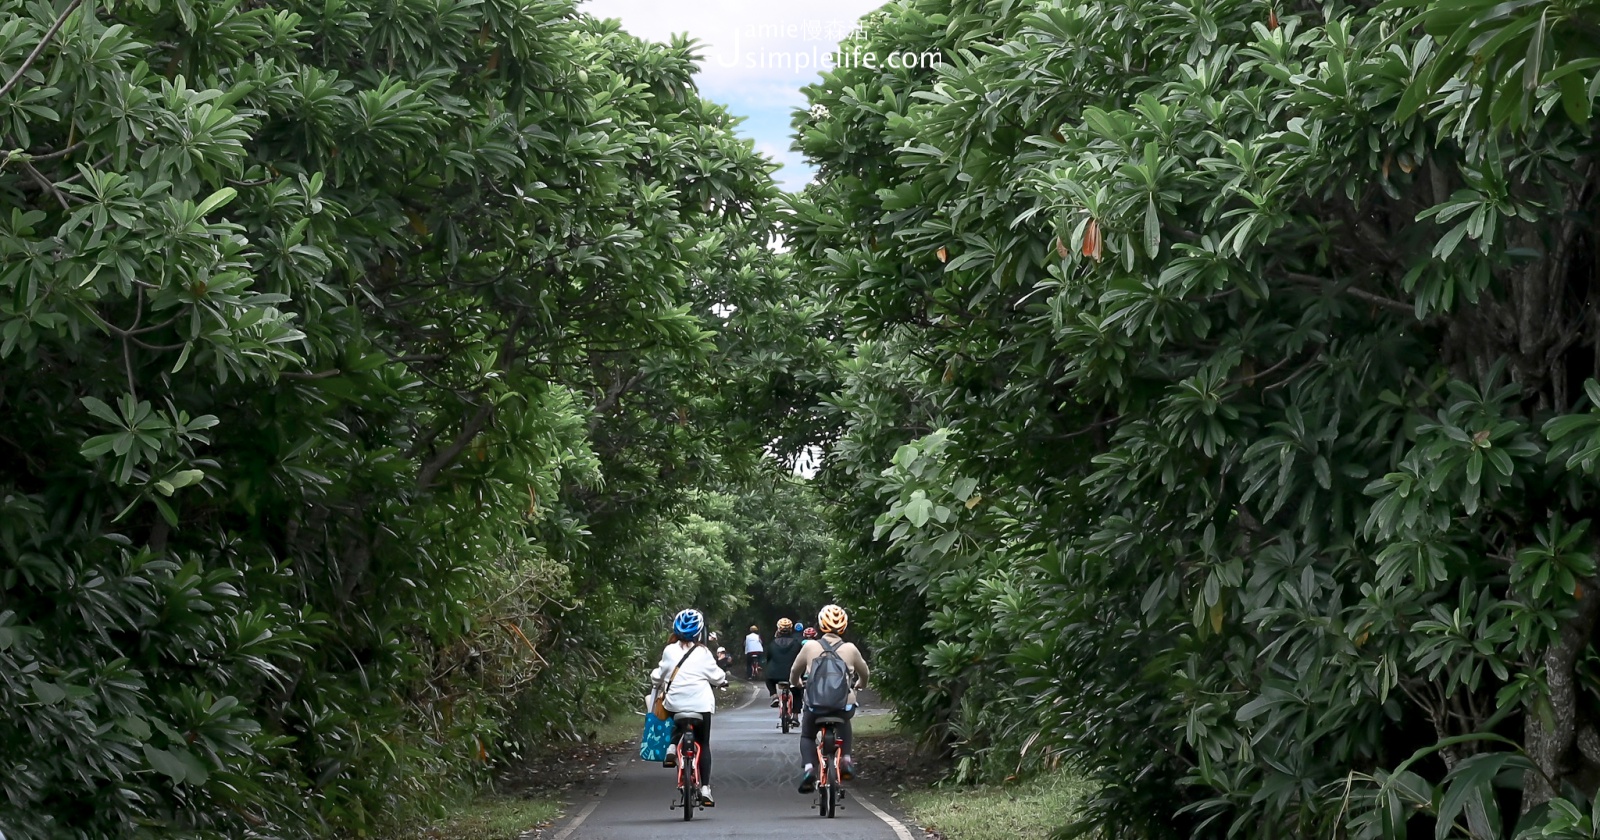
(745, 553)
(351, 353)
(1218, 407)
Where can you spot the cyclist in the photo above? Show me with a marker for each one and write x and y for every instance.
(779, 657)
(810, 637)
(752, 652)
(691, 690)
(832, 621)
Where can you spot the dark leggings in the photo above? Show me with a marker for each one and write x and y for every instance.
(808, 733)
(795, 691)
(702, 737)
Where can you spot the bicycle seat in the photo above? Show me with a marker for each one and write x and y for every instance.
(784, 683)
(688, 716)
(821, 720)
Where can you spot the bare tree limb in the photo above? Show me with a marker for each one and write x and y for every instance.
(1377, 300)
(33, 158)
(325, 374)
(481, 418)
(49, 35)
(470, 430)
(45, 184)
(613, 395)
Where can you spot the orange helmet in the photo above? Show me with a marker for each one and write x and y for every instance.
(785, 625)
(833, 619)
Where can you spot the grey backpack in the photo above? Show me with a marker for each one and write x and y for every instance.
(828, 688)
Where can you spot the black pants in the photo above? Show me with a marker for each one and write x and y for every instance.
(808, 733)
(797, 692)
(702, 739)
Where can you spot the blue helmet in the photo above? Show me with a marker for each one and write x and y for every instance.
(688, 624)
(799, 629)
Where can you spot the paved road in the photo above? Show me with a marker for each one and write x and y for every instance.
(754, 778)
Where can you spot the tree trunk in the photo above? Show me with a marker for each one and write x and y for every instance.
(1549, 741)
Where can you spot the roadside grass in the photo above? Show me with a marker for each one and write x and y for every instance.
(874, 725)
(494, 818)
(1029, 810)
(620, 728)
(524, 803)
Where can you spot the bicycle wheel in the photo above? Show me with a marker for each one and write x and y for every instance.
(832, 802)
(689, 776)
(784, 709)
(824, 772)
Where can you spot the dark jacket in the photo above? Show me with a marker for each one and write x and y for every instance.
(780, 656)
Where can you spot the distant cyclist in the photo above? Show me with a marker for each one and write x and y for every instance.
(692, 688)
(811, 664)
(779, 657)
(809, 637)
(752, 652)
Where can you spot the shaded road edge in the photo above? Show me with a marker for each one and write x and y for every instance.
(625, 753)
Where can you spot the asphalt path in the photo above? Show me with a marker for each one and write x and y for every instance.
(755, 772)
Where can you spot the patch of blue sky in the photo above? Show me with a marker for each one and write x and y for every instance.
(756, 56)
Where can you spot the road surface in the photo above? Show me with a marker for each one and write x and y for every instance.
(755, 773)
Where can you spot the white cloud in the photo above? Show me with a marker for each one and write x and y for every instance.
(744, 42)
(756, 55)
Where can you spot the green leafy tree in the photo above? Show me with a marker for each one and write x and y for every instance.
(1218, 401)
(344, 348)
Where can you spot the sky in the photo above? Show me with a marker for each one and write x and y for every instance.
(756, 55)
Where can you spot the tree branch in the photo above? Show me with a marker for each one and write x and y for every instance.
(1098, 424)
(49, 36)
(32, 158)
(46, 185)
(319, 375)
(475, 424)
(1253, 377)
(613, 395)
(1377, 300)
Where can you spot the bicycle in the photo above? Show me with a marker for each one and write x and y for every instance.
(830, 756)
(787, 719)
(688, 764)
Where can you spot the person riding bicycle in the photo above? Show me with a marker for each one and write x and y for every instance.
(832, 620)
(752, 652)
(809, 637)
(691, 689)
(779, 658)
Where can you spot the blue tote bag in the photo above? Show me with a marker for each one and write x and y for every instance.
(657, 734)
(657, 722)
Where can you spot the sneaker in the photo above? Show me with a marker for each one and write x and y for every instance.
(774, 703)
(672, 756)
(808, 782)
(705, 797)
(847, 769)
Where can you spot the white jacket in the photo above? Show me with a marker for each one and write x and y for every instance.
(691, 690)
